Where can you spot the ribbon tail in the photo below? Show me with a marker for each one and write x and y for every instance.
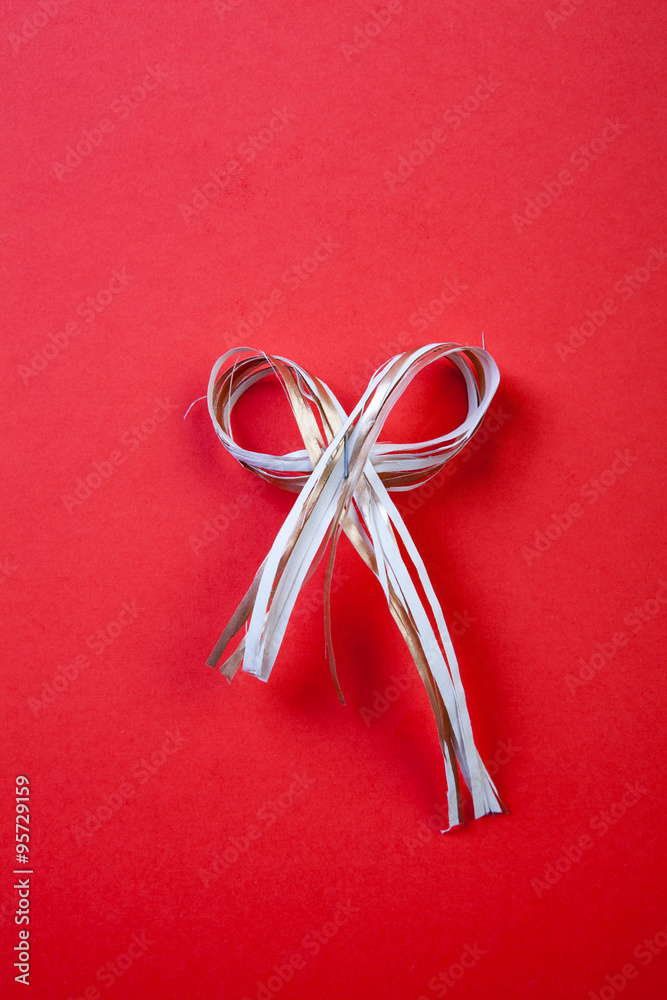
(327, 619)
(237, 621)
(433, 654)
(233, 662)
(297, 548)
(409, 631)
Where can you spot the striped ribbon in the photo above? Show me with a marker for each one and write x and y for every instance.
(343, 476)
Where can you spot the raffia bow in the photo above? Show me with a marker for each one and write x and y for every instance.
(342, 478)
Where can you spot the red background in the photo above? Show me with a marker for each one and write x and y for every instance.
(119, 849)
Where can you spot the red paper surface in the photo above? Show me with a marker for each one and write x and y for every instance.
(332, 183)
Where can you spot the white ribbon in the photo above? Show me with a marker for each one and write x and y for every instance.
(343, 476)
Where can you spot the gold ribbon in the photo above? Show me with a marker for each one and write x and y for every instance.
(342, 478)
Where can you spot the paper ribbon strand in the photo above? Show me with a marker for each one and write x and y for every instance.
(343, 476)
